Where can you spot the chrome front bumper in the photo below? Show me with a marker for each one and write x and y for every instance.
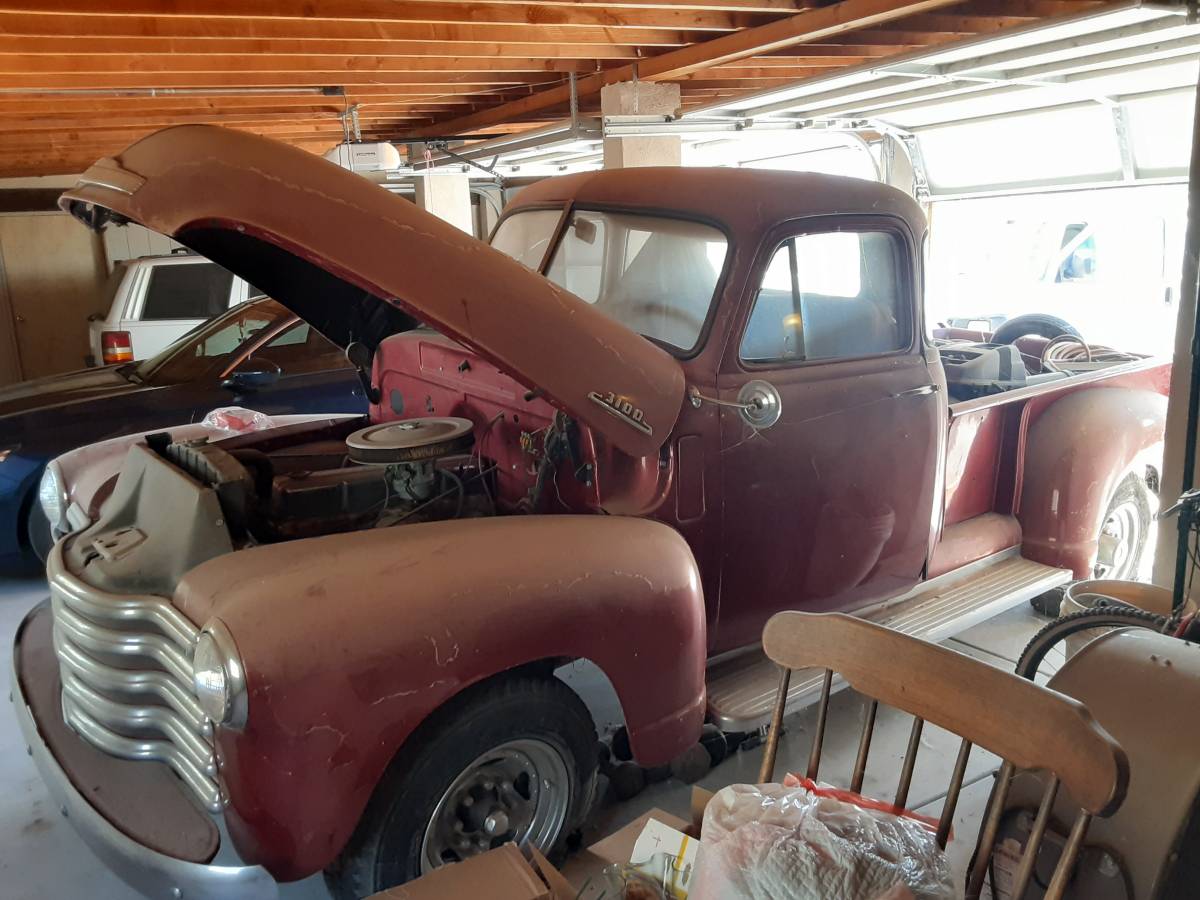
(150, 872)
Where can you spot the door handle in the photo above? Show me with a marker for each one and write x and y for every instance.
(923, 391)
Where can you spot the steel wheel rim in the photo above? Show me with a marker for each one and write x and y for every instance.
(1120, 536)
(518, 791)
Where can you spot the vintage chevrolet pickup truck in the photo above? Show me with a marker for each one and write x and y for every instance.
(660, 407)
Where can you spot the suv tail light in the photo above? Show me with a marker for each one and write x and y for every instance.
(117, 347)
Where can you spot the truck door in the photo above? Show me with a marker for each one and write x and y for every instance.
(830, 506)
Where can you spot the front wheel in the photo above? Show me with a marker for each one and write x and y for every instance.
(514, 760)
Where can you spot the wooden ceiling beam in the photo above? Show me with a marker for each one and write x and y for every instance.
(116, 106)
(753, 84)
(218, 31)
(128, 48)
(960, 25)
(54, 124)
(814, 62)
(24, 117)
(897, 38)
(333, 69)
(849, 52)
(1031, 9)
(751, 73)
(807, 27)
(432, 11)
(82, 140)
(356, 82)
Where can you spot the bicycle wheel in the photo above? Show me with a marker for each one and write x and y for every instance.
(1047, 650)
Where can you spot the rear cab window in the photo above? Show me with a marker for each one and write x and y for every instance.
(186, 291)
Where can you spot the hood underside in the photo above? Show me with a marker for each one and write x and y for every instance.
(359, 263)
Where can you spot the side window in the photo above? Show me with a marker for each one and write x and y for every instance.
(1078, 251)
(187, 291)
(830, 295)
(227, 339)
(300, 350)
(525, 236)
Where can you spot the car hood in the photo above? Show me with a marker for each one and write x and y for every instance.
(57, 390)
(351, 258)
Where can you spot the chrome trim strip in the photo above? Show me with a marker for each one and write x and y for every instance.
(146, 871)
(128, 748)
(132, 681)
(115, 715)
(121, 609)
(121, 643)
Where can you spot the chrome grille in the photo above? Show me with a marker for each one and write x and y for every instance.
(126, 667)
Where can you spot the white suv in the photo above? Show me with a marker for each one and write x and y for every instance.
(156, 299)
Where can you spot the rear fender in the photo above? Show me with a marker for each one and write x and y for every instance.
(350, 641)
(1076, 453)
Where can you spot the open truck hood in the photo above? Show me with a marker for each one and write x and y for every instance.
(357, 261)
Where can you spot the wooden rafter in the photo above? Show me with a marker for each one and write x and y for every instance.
(220, 31)
(675, 16)
(810, 26)
(83, 78)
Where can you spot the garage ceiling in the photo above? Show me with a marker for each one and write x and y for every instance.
(77, 83)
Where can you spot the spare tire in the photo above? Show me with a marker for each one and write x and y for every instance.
(1036, 324)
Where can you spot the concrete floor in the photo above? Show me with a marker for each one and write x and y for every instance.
(41, 857)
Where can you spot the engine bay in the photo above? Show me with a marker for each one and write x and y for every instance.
(346, 478)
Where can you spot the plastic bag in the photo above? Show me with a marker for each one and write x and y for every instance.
(808, 842)
(237, 420)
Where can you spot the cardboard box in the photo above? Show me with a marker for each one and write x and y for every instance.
(505, 874)
(616, 848)
(500, 874)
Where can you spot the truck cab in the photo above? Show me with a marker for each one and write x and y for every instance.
(663, 405)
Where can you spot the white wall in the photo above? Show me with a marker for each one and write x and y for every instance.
(132, 241)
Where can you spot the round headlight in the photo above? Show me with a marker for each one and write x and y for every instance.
(209, 679)
(53, 498)
(217, 677)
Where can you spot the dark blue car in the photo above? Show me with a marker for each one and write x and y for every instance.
(258, 355)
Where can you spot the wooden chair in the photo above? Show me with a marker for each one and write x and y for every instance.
(1027, 726)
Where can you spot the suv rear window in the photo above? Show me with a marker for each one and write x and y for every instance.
(187, 291)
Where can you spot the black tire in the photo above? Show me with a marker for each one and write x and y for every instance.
(1033, 324)
(1117, 616)
(386, 848)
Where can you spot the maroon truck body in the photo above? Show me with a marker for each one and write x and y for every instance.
(869, 483)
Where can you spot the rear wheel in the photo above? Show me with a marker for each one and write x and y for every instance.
(515, 760)
(1121, 542)
(1123, 532)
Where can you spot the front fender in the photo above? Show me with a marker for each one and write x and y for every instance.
(1077, 452)
(350, 641)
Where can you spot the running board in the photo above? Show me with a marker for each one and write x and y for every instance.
(741, 687)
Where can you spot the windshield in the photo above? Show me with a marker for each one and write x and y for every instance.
(211, 344)
(652, 274)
